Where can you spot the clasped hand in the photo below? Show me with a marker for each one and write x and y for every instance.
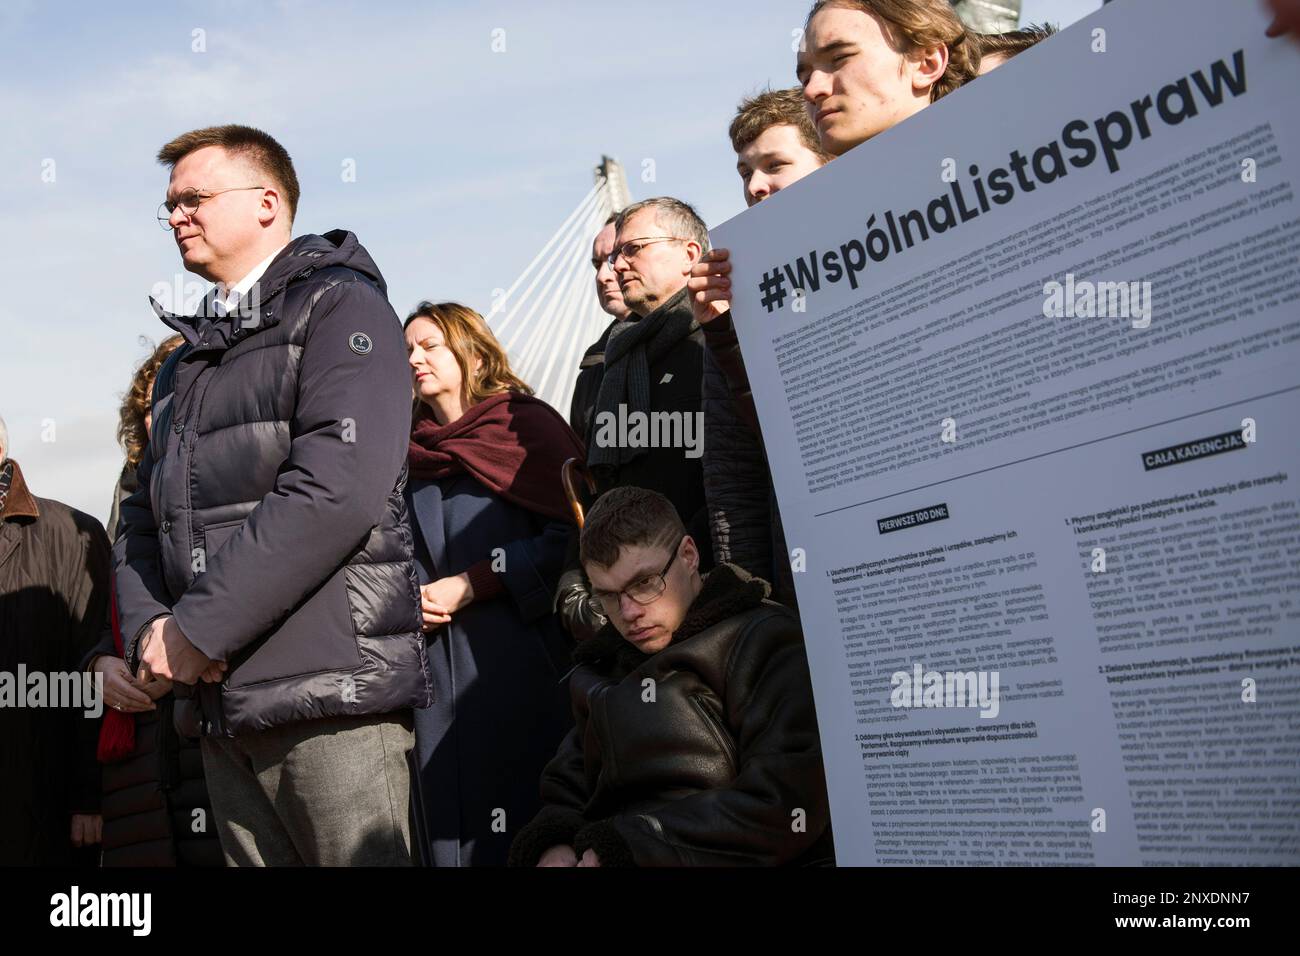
(166, 652)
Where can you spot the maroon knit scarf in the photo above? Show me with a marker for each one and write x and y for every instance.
(513, 444)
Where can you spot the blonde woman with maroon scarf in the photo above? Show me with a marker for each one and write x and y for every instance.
(491, 526)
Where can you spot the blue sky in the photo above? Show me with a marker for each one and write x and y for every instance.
(466, 159)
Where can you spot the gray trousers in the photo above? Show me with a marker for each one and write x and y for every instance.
(329, 792)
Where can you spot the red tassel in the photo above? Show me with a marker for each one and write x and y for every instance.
(117, 733)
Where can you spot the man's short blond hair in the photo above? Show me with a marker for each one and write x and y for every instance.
(757, 114)
(259, 149)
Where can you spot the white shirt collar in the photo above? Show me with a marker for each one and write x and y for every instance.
(230, 301)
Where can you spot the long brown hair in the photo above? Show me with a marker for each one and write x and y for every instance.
(131, 433)
(469, 337)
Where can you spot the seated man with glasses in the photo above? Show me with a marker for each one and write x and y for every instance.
(695, 740)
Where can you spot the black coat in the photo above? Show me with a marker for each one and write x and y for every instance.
(500, 707)
(676, 382)
(744, 522)
(54, 587)
(583, 403)
(270, 519)
(722, 767)
(151, 796)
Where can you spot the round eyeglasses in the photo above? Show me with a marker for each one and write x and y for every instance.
(632, 248)
(189, 201)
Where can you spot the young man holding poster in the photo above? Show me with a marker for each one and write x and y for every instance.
(775, 141)
(866, 65)
(776, 145)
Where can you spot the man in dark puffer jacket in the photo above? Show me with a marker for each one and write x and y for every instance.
(267, 556)
(696, 739)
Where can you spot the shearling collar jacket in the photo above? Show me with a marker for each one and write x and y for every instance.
(705, 753)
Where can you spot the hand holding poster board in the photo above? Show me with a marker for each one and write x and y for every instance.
(1028, 369)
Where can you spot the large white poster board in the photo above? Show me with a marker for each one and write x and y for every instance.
(1095, 514)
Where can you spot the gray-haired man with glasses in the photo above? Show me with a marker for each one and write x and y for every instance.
(645, 424)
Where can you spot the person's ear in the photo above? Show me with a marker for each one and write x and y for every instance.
(269, 208)
(928, 66)
(693, 252)
(690, 554)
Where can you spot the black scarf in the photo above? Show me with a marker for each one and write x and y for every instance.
(631, 348)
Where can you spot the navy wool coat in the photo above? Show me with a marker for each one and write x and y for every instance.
(500, 699)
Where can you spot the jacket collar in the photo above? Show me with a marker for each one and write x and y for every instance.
(595, 354)
(209, 328)
(19, 502)
(728, 591)
(239, 291)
